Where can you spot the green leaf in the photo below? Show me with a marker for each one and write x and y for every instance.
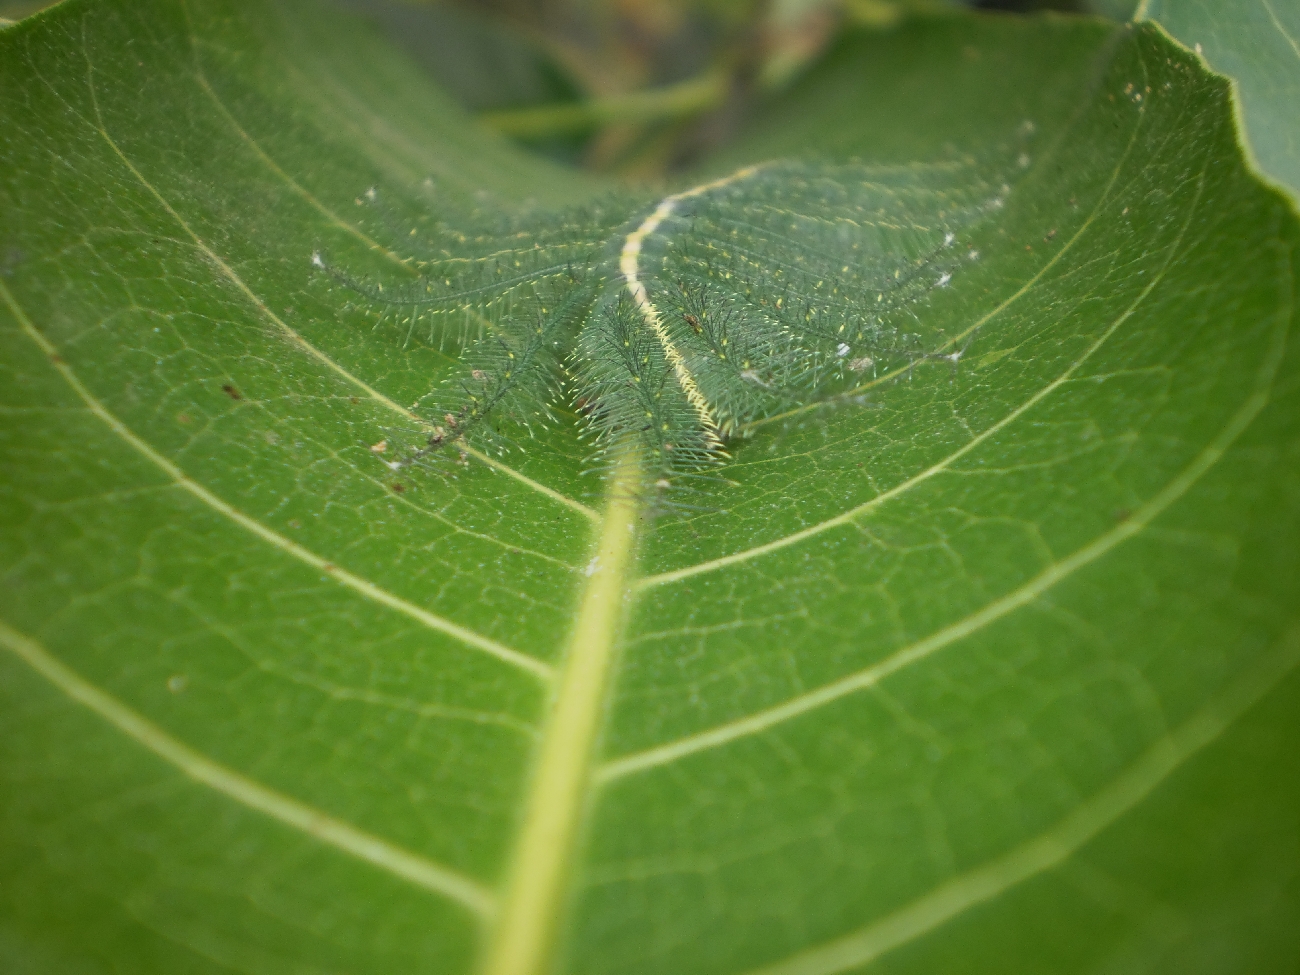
(984, 663)
(1257, 44)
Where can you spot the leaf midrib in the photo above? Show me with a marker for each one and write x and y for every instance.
(558, 794)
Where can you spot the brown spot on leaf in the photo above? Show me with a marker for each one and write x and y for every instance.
(232, 392)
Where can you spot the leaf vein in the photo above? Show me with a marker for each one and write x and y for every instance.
(1053, 847)
(354, 582)
(319, 825)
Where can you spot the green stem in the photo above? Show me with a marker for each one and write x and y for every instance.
(659, 104)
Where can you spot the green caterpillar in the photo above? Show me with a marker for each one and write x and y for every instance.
(673, 327)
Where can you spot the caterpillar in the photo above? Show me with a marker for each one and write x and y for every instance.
(671, 327)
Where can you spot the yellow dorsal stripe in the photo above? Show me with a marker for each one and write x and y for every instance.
(628, 265)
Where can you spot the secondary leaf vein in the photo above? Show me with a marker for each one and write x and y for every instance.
(183, 481)
(1055, 846)
(320, 825)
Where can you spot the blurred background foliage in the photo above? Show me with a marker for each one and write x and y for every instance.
(633, 88)
(640, 88)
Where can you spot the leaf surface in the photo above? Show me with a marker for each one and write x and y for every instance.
(1257, 44)
(985, 664)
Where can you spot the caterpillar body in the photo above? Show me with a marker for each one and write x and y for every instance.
(671, 328)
